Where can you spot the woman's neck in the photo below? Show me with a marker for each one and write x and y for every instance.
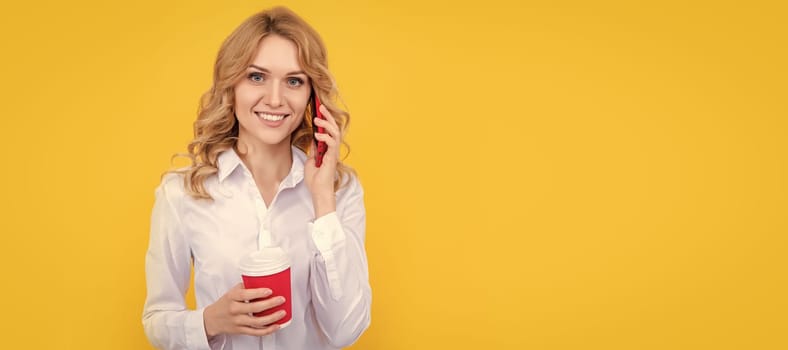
(269, 164)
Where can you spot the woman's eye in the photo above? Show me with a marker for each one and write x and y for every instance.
(256, 77)
(294, 82)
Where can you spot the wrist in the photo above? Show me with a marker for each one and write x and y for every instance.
(324, 204)
(210, 332)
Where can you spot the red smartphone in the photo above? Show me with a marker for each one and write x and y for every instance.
(321, 146)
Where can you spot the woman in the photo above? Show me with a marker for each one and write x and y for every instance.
(252, 181)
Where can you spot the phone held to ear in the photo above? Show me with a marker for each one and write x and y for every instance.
(321, 145)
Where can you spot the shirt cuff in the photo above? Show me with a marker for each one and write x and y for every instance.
(195, 331)
(327, 231)
(329, 237)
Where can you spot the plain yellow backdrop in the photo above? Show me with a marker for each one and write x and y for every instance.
(538, 175)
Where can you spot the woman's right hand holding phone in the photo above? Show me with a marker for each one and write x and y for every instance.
(232, 314)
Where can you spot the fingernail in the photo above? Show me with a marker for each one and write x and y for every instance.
(266, 292)
(281, 299)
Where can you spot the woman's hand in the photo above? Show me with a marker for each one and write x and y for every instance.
(320, 181)
(231, 314)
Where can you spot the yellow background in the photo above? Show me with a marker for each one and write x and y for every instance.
(539, 175)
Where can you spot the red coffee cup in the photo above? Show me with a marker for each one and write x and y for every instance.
(269, 268)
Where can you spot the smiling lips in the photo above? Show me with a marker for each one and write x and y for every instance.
(271, 117)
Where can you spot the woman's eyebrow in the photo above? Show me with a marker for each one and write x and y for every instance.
(269, 72)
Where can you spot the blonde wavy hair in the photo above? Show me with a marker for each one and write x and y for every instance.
(216, 127)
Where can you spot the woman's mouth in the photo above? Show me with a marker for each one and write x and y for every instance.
(271, 117)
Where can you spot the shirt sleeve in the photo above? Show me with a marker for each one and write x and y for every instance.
(167, 321)
(339, 276)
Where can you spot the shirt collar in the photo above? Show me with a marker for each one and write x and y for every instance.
(297, 169)
(229, 160)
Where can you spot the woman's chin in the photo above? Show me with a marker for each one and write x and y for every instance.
(267, 139)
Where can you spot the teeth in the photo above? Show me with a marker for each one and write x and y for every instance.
(271, 117)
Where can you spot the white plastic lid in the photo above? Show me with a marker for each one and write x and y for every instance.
(266, 261)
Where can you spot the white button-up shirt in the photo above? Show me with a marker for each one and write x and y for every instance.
(331, 295)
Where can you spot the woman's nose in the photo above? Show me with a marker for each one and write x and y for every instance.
(273, 98)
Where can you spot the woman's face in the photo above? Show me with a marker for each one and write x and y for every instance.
(271, 98)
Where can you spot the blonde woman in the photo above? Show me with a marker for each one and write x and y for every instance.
(253, 177)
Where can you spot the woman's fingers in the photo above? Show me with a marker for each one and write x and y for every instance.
(330, 124)
(330, 128)
(248, 294)
(330, 141)
(263, 305)
(333, 146)
(259, 332)
(329, 117)
(243, 308)
(332, 135)
(254, 325)
(263, 321)
(232, 313)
